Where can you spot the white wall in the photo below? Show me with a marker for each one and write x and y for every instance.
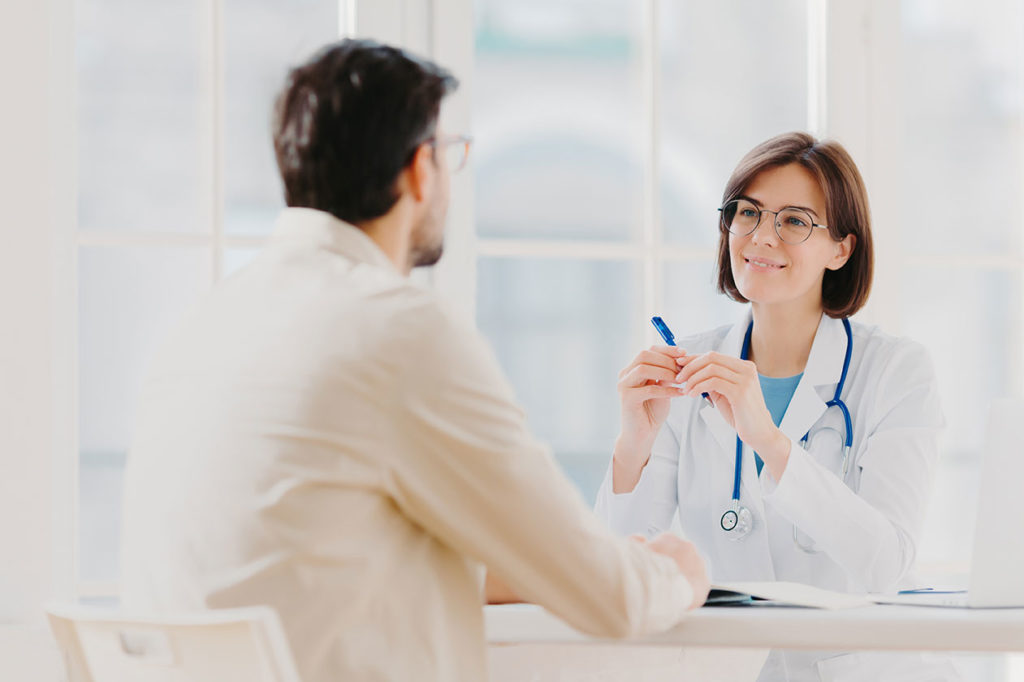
(36, 438)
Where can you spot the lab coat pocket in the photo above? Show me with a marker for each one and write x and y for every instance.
(887, 667)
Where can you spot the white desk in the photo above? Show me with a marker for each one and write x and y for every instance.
(872, 628)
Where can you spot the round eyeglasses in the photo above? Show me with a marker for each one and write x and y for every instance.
(793, 225)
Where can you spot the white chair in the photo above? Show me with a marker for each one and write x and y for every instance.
(213, 646)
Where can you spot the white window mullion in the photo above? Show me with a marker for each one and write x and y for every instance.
(651, 228)
(143, 239)
(966, 261)
(884, 116)
(452, 42)
(570, 250)
(588, 250)
(232, 241)
(210, 161)
(1016, 361)
(347, 18)
(817, 66)
(64, 305)
(215, 153)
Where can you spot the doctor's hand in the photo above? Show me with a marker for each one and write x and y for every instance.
(645, 392)
(687, 558)
(736, 391)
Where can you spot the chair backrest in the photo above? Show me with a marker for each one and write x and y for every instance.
(102, 645)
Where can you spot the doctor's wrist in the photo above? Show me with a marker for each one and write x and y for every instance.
(628, 462)
(776, 453)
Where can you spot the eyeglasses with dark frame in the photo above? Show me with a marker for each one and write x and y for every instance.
(742, 217)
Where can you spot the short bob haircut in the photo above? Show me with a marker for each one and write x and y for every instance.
(843, 291)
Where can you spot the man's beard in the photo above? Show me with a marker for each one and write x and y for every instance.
(424, 255)
(428, 239)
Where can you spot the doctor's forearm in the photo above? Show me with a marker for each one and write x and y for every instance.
(627, 466)
(852, 530)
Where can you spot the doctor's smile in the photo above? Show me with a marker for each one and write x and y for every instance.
(762, 264)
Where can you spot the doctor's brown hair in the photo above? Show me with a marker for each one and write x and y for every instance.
(843, 291)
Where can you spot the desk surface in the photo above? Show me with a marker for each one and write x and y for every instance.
(872, 628)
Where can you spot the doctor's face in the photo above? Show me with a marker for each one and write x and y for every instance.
(768, 270)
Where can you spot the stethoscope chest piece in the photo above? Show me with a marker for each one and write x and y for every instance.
(737, 522)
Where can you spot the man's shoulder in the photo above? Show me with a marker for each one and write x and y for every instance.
(432, 323)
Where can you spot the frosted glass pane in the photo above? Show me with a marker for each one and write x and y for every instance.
(557, 116)
(235, 259)
(562, 331)
(263, 39)
(128, 300)
(100, 479)
(139, 114)
(961, 94)
(970, 322)
(692, 302)
(733, 74)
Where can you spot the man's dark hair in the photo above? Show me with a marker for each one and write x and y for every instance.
(349, 120)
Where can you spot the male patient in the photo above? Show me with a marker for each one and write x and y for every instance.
(322, 436)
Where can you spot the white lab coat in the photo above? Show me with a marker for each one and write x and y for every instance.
(866, 528)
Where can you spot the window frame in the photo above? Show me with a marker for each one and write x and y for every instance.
(213, 239)
(849, 44)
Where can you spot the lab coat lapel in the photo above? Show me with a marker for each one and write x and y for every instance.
(725, 435)
(732, 344)
(824, 366)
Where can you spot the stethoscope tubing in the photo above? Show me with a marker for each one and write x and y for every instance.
(837, 401)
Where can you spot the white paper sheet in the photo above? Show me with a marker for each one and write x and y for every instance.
(797, 594)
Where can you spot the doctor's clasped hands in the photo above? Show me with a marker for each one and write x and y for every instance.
(649, 383)
(736, 392)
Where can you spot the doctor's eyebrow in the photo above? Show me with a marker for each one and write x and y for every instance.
(760, 204)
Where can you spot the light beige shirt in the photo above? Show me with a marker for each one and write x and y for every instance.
(325, 437)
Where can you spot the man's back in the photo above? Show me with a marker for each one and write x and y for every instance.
(323, 437)
(260, 470)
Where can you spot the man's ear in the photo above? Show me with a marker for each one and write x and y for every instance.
(844, 249)
(420, 172)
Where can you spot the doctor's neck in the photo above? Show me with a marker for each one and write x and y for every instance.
(783, 336)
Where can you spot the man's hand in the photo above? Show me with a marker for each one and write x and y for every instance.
(497, 592)
(687, 558)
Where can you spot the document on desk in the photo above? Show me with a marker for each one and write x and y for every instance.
(789, 594)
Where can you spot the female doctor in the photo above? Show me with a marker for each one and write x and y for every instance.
(759, 472)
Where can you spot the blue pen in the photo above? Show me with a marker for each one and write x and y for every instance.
(670, 340)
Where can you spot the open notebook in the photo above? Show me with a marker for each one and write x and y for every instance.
(782, 594)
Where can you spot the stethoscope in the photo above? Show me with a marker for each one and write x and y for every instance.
(738, 521)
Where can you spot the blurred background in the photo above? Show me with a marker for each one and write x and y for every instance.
(604, 133)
